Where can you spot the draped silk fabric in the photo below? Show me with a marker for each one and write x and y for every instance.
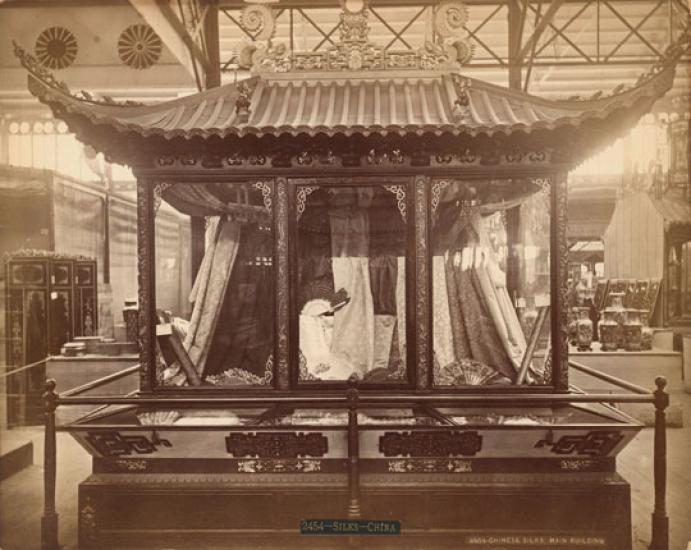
(352, 239)
(473, 315)
(209, 290)
(353, 332)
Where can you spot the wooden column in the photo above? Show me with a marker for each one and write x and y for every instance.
(281, 222)
(559, 265)
(422, 285)
(146, 276)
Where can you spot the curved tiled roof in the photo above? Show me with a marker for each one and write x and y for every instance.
(361, 104)
(350, 103)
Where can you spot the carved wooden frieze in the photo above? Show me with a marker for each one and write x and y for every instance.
(316, 156)
(276, 444)
(430, 443)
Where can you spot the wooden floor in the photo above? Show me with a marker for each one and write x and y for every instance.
(21, 496)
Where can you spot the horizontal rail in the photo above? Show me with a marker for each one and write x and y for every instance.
(100, 382)
(609, 378)
(25, 367)
(364, 400)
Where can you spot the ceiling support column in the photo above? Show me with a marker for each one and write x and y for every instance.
(212, 43)
(517, 12)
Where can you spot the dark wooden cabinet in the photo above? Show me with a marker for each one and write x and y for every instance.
(51, 299)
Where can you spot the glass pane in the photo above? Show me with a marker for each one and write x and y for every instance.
(490, 282)
(222, 330)
(351, 248)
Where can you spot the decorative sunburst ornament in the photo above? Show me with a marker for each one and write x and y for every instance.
(139, 46)
(56, 48)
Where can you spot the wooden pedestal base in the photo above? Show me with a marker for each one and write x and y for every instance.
(546, 511)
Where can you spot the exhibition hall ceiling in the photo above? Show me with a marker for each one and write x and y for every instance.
(145, 50)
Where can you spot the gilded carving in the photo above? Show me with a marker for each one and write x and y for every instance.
(576, 464)
(304, 158)
(132, 465)
(429, 465)
(282, 280)
(159, 189)
(422, 283)
(399, 191)
(303, 192)
(300, 465)
(268, 371)
(266, 187)
(234, 159)
(437, 187)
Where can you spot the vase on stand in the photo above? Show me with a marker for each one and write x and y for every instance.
(584, 329)
(617, 305)
(646, 331)
(608, 330)
(632, 330)
(572, 325)
(130, 314)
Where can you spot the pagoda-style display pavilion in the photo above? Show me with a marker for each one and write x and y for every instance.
(379, 321)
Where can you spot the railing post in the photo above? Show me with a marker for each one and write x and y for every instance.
(660, 521)
(49, 521)
(353, 450)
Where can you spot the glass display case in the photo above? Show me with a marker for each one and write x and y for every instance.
(378, 327)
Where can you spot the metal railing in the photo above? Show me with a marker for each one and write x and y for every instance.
(22, 387)
(352, 400)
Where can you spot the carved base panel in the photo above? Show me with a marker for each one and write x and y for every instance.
(398, 465)
(506, 511)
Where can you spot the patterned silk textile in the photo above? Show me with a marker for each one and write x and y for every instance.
(209, 290)
(353, 337)
(473, 316)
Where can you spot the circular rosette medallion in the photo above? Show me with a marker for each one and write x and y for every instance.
(56, 48)
(139, 46)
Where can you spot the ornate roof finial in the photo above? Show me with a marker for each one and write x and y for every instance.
(354, 27)
(447, 50)
(461, 107)
(30, 63)
(242, 103)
